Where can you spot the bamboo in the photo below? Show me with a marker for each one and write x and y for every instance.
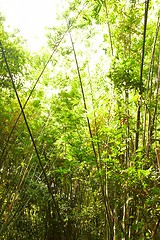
(105, 198)
(141, 77)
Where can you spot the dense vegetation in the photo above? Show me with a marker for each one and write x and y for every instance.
(80, 126)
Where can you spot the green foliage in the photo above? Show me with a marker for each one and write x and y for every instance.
(16, 57)
(124, 74)
(101, 186)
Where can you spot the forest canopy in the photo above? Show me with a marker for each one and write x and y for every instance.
(79, 126)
